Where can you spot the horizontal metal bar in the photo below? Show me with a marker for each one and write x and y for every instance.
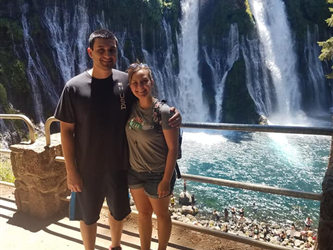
(261, 128)
(5, 151)
(26, 120)
(59, 159)
(47, 129)
(216, 233)
(241, 185)
(254, 187)
(4, 183)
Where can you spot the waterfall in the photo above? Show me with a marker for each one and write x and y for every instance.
(68, 37)
(165, 78)
(81, 25)
(220, 63)
(257, 79)
(279, 56)
(320, 100)
(122, 60)
(36, 72)
(190, 87)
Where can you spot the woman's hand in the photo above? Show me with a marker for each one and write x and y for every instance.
(163, 188)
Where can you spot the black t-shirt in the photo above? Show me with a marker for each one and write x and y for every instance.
(100, 109)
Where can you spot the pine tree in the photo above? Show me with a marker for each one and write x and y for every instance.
(327, 46)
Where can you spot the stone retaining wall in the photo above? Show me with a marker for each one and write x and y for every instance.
(40, 180)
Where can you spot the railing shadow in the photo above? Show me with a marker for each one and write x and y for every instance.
(35, 225)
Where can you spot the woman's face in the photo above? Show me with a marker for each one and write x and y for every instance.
(141, 84)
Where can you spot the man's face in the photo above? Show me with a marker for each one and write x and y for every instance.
(104, 53)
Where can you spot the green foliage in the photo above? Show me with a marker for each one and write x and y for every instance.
(327, 46)
(238, 106)
(3, 98)
(304, 13)
(248, 10)
(10, 31)
(216, 19)
(18, 78)
(6, 172)
(14, 81)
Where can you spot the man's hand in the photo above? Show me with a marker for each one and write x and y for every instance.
(176, 120)
(74, 181)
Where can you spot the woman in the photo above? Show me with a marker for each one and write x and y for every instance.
(153, 148)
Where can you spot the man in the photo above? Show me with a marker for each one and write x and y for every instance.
(93, 111)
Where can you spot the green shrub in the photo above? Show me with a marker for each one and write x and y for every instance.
(6, 172)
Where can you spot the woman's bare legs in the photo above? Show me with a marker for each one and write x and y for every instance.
(161, 209)
(145, 210)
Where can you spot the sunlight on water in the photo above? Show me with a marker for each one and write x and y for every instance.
(283, 146)
(281, 160)
(204, 138)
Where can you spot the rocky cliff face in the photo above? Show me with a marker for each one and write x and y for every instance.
(43, 45)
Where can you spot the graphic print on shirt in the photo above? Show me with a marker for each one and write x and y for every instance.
(122, 95)
(138, 123)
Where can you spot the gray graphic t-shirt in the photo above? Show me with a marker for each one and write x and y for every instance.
(147, 146)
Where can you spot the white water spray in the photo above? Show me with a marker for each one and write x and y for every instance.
(190, 87)
(68, 36)
(36, 72)
(316, 76)
(220, 63)
(257, 80)
(279, 55)
(165, 80)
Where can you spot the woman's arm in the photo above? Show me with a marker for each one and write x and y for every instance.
(171, 138)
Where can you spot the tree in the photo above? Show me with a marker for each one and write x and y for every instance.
(327, 46)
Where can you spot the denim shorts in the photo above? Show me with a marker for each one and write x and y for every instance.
(149, 181)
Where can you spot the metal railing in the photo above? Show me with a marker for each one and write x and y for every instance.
(5, 151)
(47, 129)
(26, 120)
(261, 128)
(235, 184)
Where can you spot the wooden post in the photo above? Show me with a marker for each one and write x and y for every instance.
(325, 230)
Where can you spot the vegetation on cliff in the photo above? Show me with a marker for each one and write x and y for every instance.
(327, 46)
(135, 16)
(237, 99)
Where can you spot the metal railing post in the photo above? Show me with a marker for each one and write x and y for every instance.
(47, 129)
(26, 120)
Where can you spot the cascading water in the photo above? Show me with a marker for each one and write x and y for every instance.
(165, 79)
(68, 36)
(220, 64)
(190, 87)
(122, 61)
(257, 79)
(81, 25)
(36, 72)
(320, 100)
(279, 56)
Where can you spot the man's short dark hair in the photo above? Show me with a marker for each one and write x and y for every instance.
(102, 33)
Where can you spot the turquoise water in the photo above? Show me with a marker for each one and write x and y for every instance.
(288, 161)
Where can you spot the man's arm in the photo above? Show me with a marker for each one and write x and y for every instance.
(74, 179)
(176, 120)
